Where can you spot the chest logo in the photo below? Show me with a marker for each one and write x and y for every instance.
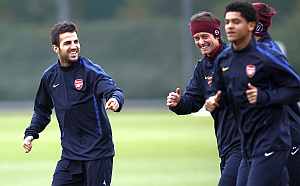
(224, 69)
(250, 70)
(78, 83)
(55, 85)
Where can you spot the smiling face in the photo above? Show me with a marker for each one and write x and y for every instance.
(68, 49)
(206, 42)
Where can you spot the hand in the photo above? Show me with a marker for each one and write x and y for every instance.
(27, 143)
(174, 98)
(251, 93)
(213, 102)
(112, 104)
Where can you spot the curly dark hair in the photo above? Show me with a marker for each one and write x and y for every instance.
(61, 28)
(205, 16)
(246, 9)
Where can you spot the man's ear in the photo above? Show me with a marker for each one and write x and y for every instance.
(251, 26)
(55, 48)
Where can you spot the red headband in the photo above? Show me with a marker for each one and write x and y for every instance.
(264, 14)
(205, 26)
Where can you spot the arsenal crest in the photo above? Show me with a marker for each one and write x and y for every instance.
(78, 83)
(250, 70)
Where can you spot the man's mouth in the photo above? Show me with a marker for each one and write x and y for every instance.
(74, 53)
(230, 33)
(204, 47)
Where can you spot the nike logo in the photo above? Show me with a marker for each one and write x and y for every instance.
(294, 150)
(56, 85)
(225, 69)
(269, 153)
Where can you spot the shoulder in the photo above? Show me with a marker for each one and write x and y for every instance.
(273, 45)
(202, 64)
(89, 65)
(270, 54)
(227, 51)
(225, 54)
(50, 70)
(275, 59)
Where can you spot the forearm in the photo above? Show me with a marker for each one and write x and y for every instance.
(187, 105)
(107, 88)
(37, 125)
(282, 96)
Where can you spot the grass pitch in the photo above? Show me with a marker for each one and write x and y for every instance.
(152, 149)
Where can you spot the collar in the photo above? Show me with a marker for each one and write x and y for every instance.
(69, 68)
(250, 45)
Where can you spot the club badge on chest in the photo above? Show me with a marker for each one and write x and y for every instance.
(78, 83)
(250, 70)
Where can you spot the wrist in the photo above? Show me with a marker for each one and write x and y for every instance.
(262, 97)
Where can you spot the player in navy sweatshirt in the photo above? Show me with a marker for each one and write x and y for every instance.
(205, 29)
(264, 14)
(259, 84)
(80, 92)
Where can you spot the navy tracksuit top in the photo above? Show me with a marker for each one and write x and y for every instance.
(78, 94)
(263, 126)
(293, 110)
(197, 91)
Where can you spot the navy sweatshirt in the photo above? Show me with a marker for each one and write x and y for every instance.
(197, 91)
(293, 110)
(268, 41)
(78, 94)
(263, 126)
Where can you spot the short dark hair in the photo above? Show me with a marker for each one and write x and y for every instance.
(205, 16)
(61, 28)
(246, 9)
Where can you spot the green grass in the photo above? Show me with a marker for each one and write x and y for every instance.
(152, 149)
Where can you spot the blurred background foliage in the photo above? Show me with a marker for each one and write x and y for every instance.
(144, 45)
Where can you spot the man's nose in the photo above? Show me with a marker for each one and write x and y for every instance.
(229, 25)
(201, 41)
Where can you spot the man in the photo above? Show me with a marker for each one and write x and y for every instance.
(205, 29)
(76, 88)
(264, 14)
(259, 84)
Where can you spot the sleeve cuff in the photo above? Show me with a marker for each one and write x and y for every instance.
(262, 97)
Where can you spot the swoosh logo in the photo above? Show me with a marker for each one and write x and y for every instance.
(269, 153)
(56, 85)
(225, 69)
(294, 151)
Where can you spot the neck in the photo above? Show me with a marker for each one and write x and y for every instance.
(64, 63)
(243, 43)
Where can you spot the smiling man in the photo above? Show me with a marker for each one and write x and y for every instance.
(205, 29)
(76, 88)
